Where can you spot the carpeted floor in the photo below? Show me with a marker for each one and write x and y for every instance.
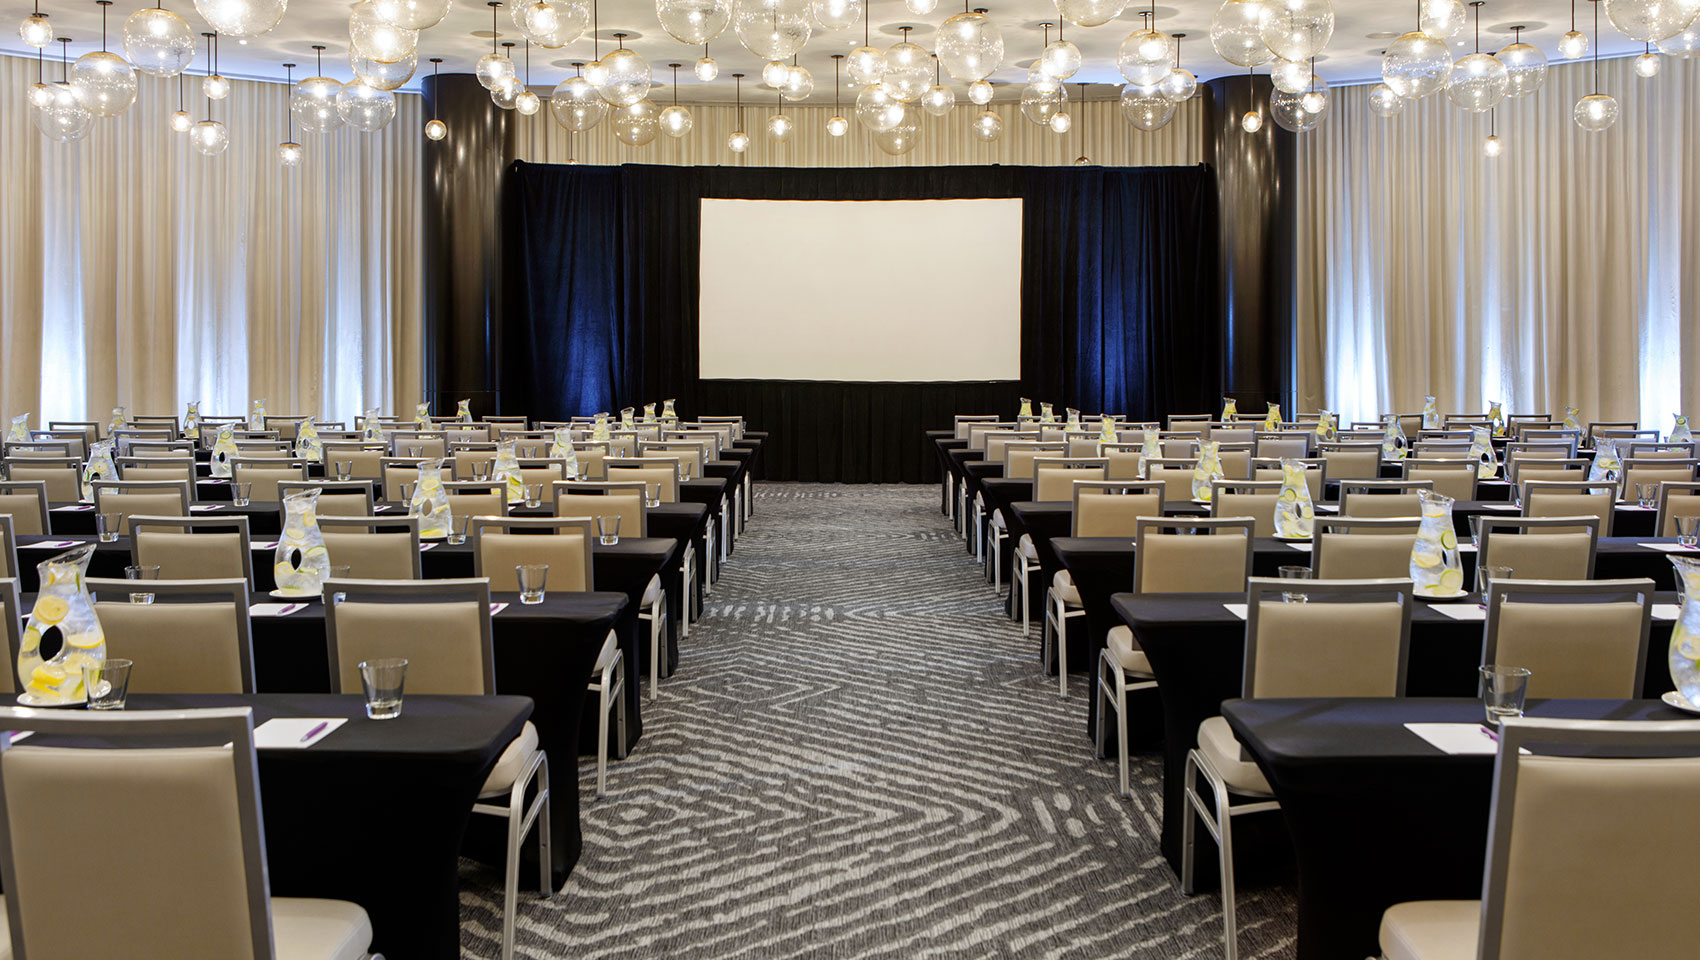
(858, 758)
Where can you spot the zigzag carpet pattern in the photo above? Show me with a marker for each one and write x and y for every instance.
(858, 757)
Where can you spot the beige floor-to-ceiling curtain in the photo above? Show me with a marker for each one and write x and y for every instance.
(135, 271)
(1565, 271)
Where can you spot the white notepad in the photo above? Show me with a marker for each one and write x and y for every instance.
(287, 733)
(1460, 611)
(1666, 611)
(205, 507)
(1668, 547)
(1456, 738)
(263, 545)
(496, 608)
(73, 507)
(1237, 609)
(49, 545)
(1304, 547)
(274, 609)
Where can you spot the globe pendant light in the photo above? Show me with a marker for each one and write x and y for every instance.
(1297, 29)
(1146, 108)
(1383, 102)
(779, 126)
(384, 76)
(1479, 81)
(906, 69)
(1685, 45)
(629, 76)
(739, 141)
(36, 30)
(313, 102)
(772, 29)
(836, 125)
(158, 42)
(1416, 65)
(435, 129)
(289, 153)
(1596, 111)
(1038, 104)
(834, 14)
(1237, 32)
(575, 103)
(867, 62)
(877, 109)
(551, 24)
(635, 124)
(970, 46)
(1441, 19)
(902, 138)
(1525, 65)
(62, 117)
(693, 21)
(1144, 58)
(1180, 84)
(799, 82)
(526, 102)
(1493, 146)
(494, 68)
(987, 126)
(939, 99)
(505, 93)
(365, 108)
(1289, 113)
(181, 121)
(980, 92)
(921, 8)
(377, 39)
(1289, 76)
(676, 120)
(1573, 45)
(241, 18)
(1315, 99)
(209, 136)
(41, 92)
(1090, 13)
(1651, 20)
(1060, 60)
(104, 83)
(413, 14)
(1647, 64)
(774, 73)
(1251, 121)
(1061, 122)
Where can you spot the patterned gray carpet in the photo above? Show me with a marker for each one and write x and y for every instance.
(858, 758)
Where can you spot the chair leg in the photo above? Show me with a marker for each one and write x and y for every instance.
(1060, 633)
(620, 707)
(1189, 826)
(1121, 730)
(602, 737)
(510, 889)
(545, 841)
(1225, 853)
(1026, 598)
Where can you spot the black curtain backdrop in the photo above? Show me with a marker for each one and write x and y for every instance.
(1118, 303)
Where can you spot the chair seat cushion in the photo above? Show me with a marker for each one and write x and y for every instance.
(1431, 930)
(1063, 586)
(1028, 550)
(308, 929)
(1119, 642)
(510, 763)
(1217, 742)
(652, 592)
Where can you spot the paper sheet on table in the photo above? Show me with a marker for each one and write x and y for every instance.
(428, 546)
(1500, 506)
(1667, 547)
(285, 733)
(74, 507)
(263, 545)
(204, 507)
(1456, 738)
(274, 609)
(496, 608)
(1237, 609)
(1666, 611)
(1325, 508)
(1304, 547)
(49, 545)
(1460, 611)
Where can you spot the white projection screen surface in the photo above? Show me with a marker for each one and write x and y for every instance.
(870, 290)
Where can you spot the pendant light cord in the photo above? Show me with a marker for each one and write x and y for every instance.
(1596, 46)
(104, 4)
(289, 115)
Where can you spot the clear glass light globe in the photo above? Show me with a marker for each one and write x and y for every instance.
(215, 87)
(1573, 45)
(629, 78)
(36, 30)
(596, 73)
(1416, 65)
(780, 127)
(774, 73)
(921, 8)
(1039, 79)
(799, 83)
(384, 76)
(289, 153)
(159, 42)
(1040, 105)
(1650, 20)
(1179, 85)
(772, 29)
(1061, 122)
(241, 18)
(865, 65)
(1060, 60)
(576, 105)
(494, 68)
(181, 122)
(104, 83)
(1289, 112)
(210, 138)
(1145, 57)
(1236, 32)
(676, 121)
(837, 126)
(413, 14)
(636, 124)
(1478, 82)
(1290, 76)
(988, 126)
(1525, 68)
(707, 69)
(836, 14)
(1146, 108)
(1090, 13)
(527, 103)
(1492, 147)
(41, 96)
(738, 142)
(1685, 45)
(938, 100)
(1314, 101)
(313, 104)
(1251, 122)
(436, 129)
(1647, 66)
(1595, 112)
(1383, 102)
(981, 92)
(908, 71)
(1442, 19)
(374, 38)
(552, 24)
(1297, 29)
(902, 138)
(969, 46)
(63, 118)
(365, 108)
(877, 109)
(506, 94)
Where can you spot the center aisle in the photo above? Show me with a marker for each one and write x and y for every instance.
(858, 758)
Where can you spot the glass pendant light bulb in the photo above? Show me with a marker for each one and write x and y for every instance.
(181, 122)
(1251, 122)
(527, 103)
(775, 73)
(1061, 122)
(210, 138)
(1595, 112)
(215, 87)
(436, 129)
(980, 92)
(1492, 147)
(780, 127)
(837, 126)
(676, 121)
(1060, 60)
(865, 65)
(36, 30)
(1647, 65)
(289, 153)
(988, 126)
(707, 69)
(596, 72)
(921, 8)
(1314, 101)
(1573, 45)
(738, 142)
(494, 68)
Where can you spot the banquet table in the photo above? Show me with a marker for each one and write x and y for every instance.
(375, 812)
(1377, 814)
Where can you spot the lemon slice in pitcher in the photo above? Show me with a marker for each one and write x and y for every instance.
(51, 610)
(1452, 581)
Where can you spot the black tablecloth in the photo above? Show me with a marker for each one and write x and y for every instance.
(1377, 815)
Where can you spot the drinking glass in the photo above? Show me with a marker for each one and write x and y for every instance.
(532, 579)
(457, 529)
(414, 452)
(533, 495)
(481, 470)
(239, 493)
(145, 571)
(1475, 520)
(344, 469)
(1648, 494)
(1295, 573)
(407, 493)
(1485, 577)
(1688, 530)
(338, 572)
(652, 494)
(107, 525)
(382, 682)
(1504, 691)
(608, 530)
(107, 682)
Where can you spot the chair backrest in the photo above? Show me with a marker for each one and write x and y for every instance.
(373, 548)
(1206, 556)
(1451, 478)
(1587, 817)
(1533, 551)
(157, 468)
(1121, 460)
(11, 630)
(659, 477)
(1018, 456)
(8, 547)
(198, 799)
(975, 431)
(397, 471)
(996, 440)
(1369, 549)
(26, 501)
(287, 427)
(566, 544)
(1282, 446)
(593, 499)
(265, 475)
(459, 432)
(1235, 459)
(62, 476)
(78, 444)
(419, 444)
(1650, 450)
(1174, 473)
(1351, 638)
(441, 627)
(515, 421)
(1549, 498)
(1675, 500)
(1605, 429)
(1316, 473)
(1247, 498)
(1351, 461)
(1553, 435)
(1636, 472)
(1382, 498)
(1538, 450)
(714, 440)
(265, 449)
(476, 498)
(90, 429)
(193, 638)
(1233, 434)
(592, 458)
(193, 548)
(337, 498)
(38, 449)
(693, 455)
(151, 498)
(1441, 449)
(468, 456)
(365, 460)
(1109, 508)
(1054, 477)
(1583, 639)
(1524, 469)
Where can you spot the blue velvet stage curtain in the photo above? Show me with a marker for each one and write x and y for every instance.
(1119, 303)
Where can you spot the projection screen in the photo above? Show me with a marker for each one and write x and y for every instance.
(879, 290)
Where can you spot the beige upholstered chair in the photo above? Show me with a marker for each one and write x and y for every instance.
(38, 449)
(418, 444)
(11, 629)
(265, 475)
(462, 432)
(1578, 639)
(157, 468)
(688, 455)
(1351, 460)
(90, 430)
(1383, 498)
(606, 498)
(1647, 450)
(1054, 477)
(1358, 548)
(1440, 450)
(337, 498)
(1316, 474)
(1552, 435)
(1636, 472)
(396, 472)
(193, 548)
(1233, 434)
(150, 498)
(1247, 498)
(1524, 469)
(662, 479)
(198, 799)
(468, 457)
(500, 544)
(1547, 498)
(8, 547)
(541, 472)
(62, 476)
(506, 421)
(365, 460)
(26, 501)
(78, 444)
(373, 548)
(1352, 639)
(1018, 457)
(1121, 460)
(1614, 429)
(591, 457)
(1175, 476)
(264, 449)
(287, 427)
(476, 498)
(1451, 478)
(194, 637)
(1587, 818)
(1281, 446)
(1207, 556)
(996, 440)
(1534, 551)
(1178, 446)
(1675, 500)
(1236, 460)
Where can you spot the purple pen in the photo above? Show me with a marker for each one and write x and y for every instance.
(313, 732)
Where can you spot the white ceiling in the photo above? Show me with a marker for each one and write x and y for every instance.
(1362, 28)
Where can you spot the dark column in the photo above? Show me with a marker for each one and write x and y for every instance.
(1254, 184)
(463, 177)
